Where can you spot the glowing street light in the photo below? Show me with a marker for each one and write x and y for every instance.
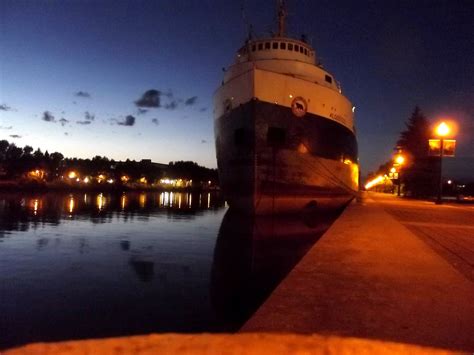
(442, 130)
(400, 159)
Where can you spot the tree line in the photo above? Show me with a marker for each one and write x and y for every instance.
(17, 162)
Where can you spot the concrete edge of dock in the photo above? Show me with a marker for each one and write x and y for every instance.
(218, 344)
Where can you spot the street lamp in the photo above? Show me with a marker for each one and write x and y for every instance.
(399, 161)
(442, 130)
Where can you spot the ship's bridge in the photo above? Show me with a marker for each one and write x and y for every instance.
(282, 55)
(276, 48)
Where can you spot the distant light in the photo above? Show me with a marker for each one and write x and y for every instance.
(347, 161)
(209, 182)
(374, 182)
(110, 181)
(353, 109)
(71, 205)
(393, 170)
(86, 180)
(72, 175)
(302, 148)
(399, 159)
(290, 96)
(450, 182)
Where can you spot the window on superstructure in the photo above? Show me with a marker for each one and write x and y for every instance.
(274, 45)
(328, 79)
(267, 45)
(254, 47)
(301, 50)
(260, 46)
(305, 51)
(282, 45)
(290, 46)
(297, 48)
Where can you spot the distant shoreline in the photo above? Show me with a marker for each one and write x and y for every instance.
(14, 186)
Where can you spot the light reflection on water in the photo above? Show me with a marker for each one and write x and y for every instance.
(88, 265)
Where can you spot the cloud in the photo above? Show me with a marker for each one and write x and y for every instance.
(15, 136)
(129, 121)
(191, 101)
(5, 107)
(141, 111)
(83, 122)
(6, 127)
(48, 116)
(203, 141)
(83, 94)
(168, 94)
(89, 116)
(150, 98)
(203, 109)
(171, 105)
(155, 121)
(63, 121)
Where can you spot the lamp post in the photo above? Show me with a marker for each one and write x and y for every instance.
(442, 130)
(399, 160)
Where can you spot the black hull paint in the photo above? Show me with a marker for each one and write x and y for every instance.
(271, 161)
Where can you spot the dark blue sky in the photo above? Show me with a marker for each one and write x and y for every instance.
(388, 55)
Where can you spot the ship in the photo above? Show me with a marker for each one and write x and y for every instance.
(284, 132)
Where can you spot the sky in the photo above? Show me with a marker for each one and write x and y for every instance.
(135, 79)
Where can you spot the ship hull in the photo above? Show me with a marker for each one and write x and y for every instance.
(273, 162)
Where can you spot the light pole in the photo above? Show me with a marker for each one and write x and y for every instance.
(442, 130)
(399, 160)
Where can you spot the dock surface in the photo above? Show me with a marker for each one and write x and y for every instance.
(388, 269)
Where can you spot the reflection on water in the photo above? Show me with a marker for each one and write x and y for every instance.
(252, 255)
(96, 265)
(23, 212)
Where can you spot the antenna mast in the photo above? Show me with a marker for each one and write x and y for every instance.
(281, 18)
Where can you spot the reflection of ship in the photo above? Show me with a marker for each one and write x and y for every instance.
(252, 255)
(285, 136)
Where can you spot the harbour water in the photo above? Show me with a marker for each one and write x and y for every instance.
(90, 265)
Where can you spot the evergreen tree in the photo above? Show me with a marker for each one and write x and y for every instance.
(419, 172)
(414, 140)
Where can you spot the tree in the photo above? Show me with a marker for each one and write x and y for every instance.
(419, 172)
(414, 140)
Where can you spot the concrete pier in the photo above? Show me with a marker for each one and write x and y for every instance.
(371, 277)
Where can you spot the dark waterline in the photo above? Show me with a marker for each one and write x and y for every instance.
(90, 265)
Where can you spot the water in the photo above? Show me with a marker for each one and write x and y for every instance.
(88, 265)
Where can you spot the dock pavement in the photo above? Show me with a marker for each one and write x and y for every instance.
(388, 269)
